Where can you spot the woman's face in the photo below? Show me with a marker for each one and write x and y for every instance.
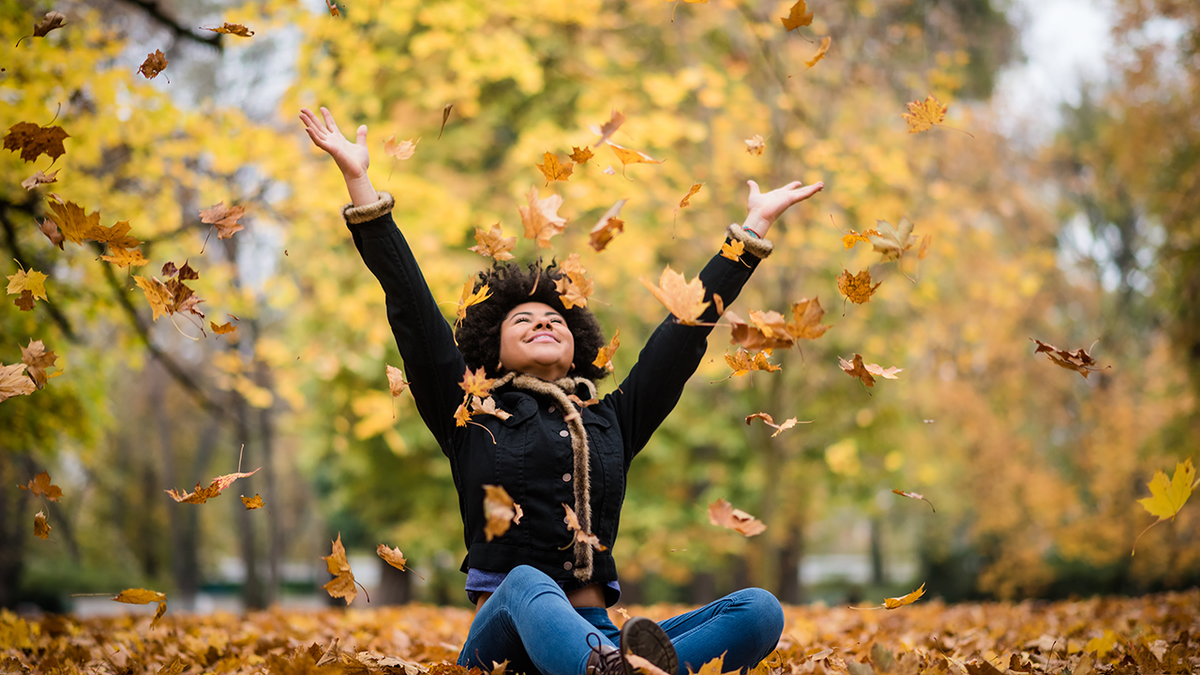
(535, 340)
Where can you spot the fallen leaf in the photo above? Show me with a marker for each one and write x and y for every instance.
(32, 281)
(607, 129)
(501, 511)
(342, 584)
(71, 220)
(493, 243)
(922, 115)
(223, 329)
(254, 502)
(683, 298)
(779, 428)
(581, 536)
(607, 227)
(476, 383)
(469, 297)
(798, 16)
(231, 29)
(445, 116)
(821, 51)
(742, 362)
(857, 288)
(541, 217)
(38, 359)
(40, 178)
(34, 141)
(580, 155)
(628, 156)
(755, 145)
(722, 514)
(554, 170)
(123, 257)
(914, 495)
(402, 149)
(604, 355)
(396, 383)
(1167, 497)
(636, 662)
(1079, 360)
(153, 65)
(224, 218)
(14, 381)
(141, 596)
(41, 528)
(806, 320)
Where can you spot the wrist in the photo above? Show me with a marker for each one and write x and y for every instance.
(756, 224)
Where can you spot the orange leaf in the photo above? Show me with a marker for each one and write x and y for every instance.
(733, 250)
(34, 141)
(493, 243)
(581, 155)
(254, 502)
(573, 286)
(922, 115)
(604, 355)
(400, 150)
(470, 297)
(821, 50)
(755, 145)
(231, 29)
(798, 16)
(41, 528)
(71, 220)
(501, 511)
(722, 514)
(742, 363)
(392, 556)
(752, 337)
(123, 257)
(683, 298)
(857, 288)
(553, 169)
(476, 383)
(225, 219)
(223, 329)
(865, 372)
(683, 203)
(342, 584)
(202, 494)
(40, 487)
(806, 320)
(628, 156)
(853, 238)
(607, 227)
(157, 294)
(118, 235)
(893, 603)
(541, 217)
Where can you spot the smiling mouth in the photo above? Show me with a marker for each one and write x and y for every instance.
(543, 337)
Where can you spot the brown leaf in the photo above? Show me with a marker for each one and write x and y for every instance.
(541, 217)
(117, 234)
(225, 219)
(34, 141)
(487, 406)
(864, 372)
(49, 229)
(806, 320)
(798, 16)
(392, 556)
(251, 503)
(581, 536)
(445, 116)
(607, 129)
(779, 428)
(41, 528)
(493, 243)
(231, 29)
(755, 145)
(40, 486)
(607, 227)
(342, 584)
(683, 298)
(742, 362)
(157, 294)
(14, 381)
(122, 257)
(722, 514)
(153, 65)
(396, 383)
(857, 288)
(38, 359)
(1079, 360)
(333, 8)
(574, 288)
(202, 494)
(581, 155)
(753, 338)
(71, 220)
(554, 170)
(914, 495)
(40, 178)
(52, 21)
(501, 511)
(25, 301)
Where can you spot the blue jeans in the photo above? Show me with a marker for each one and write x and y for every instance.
(530, 622)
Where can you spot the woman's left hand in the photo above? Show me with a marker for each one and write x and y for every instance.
(766, 207)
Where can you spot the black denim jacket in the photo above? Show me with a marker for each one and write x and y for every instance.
(531, 456)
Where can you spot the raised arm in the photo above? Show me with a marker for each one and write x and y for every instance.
(674, 351)
(432, 362)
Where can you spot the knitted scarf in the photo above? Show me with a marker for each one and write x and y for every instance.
(560, 391)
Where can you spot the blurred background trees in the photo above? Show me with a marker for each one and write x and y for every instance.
(1035, 471)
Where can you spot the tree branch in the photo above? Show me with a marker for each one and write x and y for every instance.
(152, 10)
(14, 247)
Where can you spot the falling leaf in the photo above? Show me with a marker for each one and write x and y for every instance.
(755, 145)
(470, 297)
(921, 116)
(891, 241)
(41, 528)
(742, 362)
(49, 229)
(499, 668)
(231, 29)
(123, 257)
(554, 170)
(806, 320)
(38, 359)
(608, 171)
(607, 129)
(14, 381)
(333, 8)
(628, 156)
(400, 150)
(779, 428)
(71, 220)
(225, 219)
(223, 329)
(849, 240)
(153, 65)
(573, 286)
(40, 178)
(683, 298)
(752, 336)
(52, 21)
(1079, 360)
(32, 281)
(604, 355)
(581, 536)
(157, 294)
(342, 584)
(141, 596)
(493, 243)
(396, 383)
(34, 141)
(445, 116)
(501, 511)
(924, 250)
(40, 486)
(865, 372)
(462, 415)
(607, 227)
(541, 217)
(393, 557)
(684, 203)
(798, 16)
(914, 495)
(1167, 497)
(203, 494)
(254, 502)
(821, 50)
(580, 155)
(722, 514)
(476, 383)
(893, 603)
(857, 288)
(117, 234)
(733, 250)
(25, 301)
(487, 406)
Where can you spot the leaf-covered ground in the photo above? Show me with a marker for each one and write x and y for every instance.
(1151, 634)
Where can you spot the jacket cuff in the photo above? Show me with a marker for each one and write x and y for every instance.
(759, 248)
(361, 214)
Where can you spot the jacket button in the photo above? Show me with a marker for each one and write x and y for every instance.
(564, 433)
(566, 478)
(550, 409)
(567, 566)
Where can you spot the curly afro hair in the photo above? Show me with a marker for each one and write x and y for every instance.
(478, 334)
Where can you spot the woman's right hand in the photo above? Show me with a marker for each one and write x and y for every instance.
(351, 158)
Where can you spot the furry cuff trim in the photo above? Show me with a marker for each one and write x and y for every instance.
(760, 248)
(361, 214)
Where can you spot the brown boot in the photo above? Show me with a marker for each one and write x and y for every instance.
(641, 637)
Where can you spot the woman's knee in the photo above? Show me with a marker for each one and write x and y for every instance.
(762, 609)
(528, 577)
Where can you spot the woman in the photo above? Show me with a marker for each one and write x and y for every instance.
(540, 601)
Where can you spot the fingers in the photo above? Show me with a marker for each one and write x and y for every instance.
(806, 192)
(754, 191)
(362, 136)
(329, 123)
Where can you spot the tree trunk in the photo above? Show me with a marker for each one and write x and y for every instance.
(14, 524)
(877, 576)
(395, 587)
(790, 555)
(252, 589)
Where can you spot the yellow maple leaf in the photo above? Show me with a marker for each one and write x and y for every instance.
(604, 355)
(742, 362)
(123, 257)
(798, 16)
(553, 169)
(628, 156)
(72, 222)
(400, 149)
(157, 294)
(541, 217)
(849, 240)
(342, 584)
(806, 320)
(493, 243)
(255, 502)
(1167, 496)
(476, 383)
(580, 155)
(857, 287)
(683, 298)
(821, 51)
(222, 329)
(32, 281)
(469, 298)
(922, 115)
(733, 250)
(231, 29)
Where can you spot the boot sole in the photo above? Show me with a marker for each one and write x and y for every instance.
(646, 639)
